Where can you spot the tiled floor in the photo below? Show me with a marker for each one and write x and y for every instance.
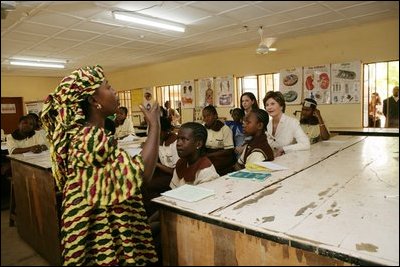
(15, 251)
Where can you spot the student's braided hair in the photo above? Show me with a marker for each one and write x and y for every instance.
(262, 116)
(199, 133)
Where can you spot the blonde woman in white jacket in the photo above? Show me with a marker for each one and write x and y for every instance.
(284, 133)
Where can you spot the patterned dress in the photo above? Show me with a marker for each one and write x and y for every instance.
(103, 219)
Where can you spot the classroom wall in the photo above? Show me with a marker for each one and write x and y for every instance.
(371, 42)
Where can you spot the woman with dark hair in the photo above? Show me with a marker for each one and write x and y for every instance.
(248, 101)
(284, 133)
(103, 221)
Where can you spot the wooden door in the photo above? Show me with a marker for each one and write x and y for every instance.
(10, 117)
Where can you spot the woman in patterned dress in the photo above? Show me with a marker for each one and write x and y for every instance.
(103, 221)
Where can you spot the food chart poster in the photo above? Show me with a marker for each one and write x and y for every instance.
(291, 81)
(346, 82)
(317, 82)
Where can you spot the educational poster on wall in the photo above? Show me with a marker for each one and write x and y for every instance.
(187, 94)
(34, 107)
(224, 91)
(148, 99)
(8, 109)
(291, 81)
(317, 83)
(346, 82)
(206, 92)
(137, 98)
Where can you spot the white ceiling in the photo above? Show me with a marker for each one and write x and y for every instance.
(84, 32)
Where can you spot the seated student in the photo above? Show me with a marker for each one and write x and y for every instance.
(25, 138)
(123, 126)
(172, 114)
(37, 126)
(236, 126)
(220, 149)
(167, 158)
(193, 167)
(312, 123)
(283, 132)
(257, 148)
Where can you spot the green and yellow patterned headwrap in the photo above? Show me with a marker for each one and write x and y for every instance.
(62, 115)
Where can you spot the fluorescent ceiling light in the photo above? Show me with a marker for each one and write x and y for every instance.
(39, 64)
(149, 21)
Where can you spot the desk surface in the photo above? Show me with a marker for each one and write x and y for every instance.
(335, 205)
(229, 190)
(366, 131)
(43, 159)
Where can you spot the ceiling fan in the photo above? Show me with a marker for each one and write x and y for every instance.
(265, 45)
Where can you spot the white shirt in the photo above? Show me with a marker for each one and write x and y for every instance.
(254, 156)
(125, 129)
(204, 175)
(36, 139)
(288, 135)
(222, 139)
(168, 155)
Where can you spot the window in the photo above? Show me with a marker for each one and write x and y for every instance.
(171, 93)
(125, 100)
(259, 85)
(379, 78)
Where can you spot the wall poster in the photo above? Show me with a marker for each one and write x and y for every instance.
(291, 81)
(187, 94)
(34, 107)
(224, 88)
(148, 99)
(206, 92)
(8, 109)
(346, 82)
(317, 83)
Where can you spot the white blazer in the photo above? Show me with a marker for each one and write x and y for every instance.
(288, 135)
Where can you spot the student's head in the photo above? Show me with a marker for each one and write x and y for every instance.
(210, 115)
(248, 101)
(26, 125)
(36, 120)
(237, 114)
(121, 114)
(255, 122)
(274, 103)
(308, 108)
(167, 104)
(191, 142)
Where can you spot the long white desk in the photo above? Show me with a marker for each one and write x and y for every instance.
(330, 213)
(229, 191)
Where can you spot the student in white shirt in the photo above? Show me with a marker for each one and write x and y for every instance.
(193, 167)
(25, 138)
(123, 126)
(283, 132)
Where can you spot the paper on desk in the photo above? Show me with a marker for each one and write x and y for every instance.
(189, 193)
(271, 166)
(31, 154)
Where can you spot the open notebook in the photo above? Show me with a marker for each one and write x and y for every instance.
(189, 193)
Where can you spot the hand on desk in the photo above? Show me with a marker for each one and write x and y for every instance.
(278, 152)
(38, 148)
